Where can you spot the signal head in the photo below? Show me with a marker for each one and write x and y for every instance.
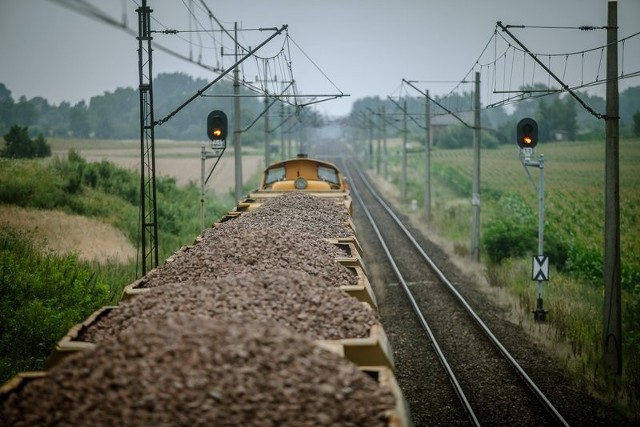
(217, 125)
(527, 133)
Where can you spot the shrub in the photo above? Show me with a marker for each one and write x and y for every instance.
(20, 146)
(457, 136)
(29, 183)
(515, 233)
(507, 238)
(585, 263)
(460, 136)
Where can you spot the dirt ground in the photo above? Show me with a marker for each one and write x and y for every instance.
(65, 234)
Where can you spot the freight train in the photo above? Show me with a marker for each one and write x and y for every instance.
(267, 319)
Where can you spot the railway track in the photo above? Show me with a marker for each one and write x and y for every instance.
(480, 383)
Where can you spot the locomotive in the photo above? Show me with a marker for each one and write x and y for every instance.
(268, 318)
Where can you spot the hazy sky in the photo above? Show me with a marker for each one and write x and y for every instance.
(364, 47)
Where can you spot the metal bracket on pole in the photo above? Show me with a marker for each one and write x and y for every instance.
(539, 314)
(217, 149)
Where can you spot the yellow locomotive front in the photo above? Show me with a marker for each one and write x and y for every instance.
(302, 174)
(311, 176)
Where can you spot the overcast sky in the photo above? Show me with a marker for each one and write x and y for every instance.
(357, 47)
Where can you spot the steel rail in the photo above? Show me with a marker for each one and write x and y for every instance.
(494, 340)
(434, 343)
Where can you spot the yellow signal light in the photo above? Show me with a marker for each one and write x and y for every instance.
(527, 133)
(217, 125)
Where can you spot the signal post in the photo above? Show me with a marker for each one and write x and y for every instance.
(527, 139)
(217, 133)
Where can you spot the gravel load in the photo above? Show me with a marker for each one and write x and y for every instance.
(190, 371)
(284, 232)
(299, 212)
(229, 252)
(291, 298)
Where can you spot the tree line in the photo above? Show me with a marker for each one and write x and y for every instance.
(559, 117)
(116, 115)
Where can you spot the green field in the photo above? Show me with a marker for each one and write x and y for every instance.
(574, 189)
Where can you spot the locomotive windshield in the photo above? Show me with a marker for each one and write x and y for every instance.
(328, 174)
(274, 175)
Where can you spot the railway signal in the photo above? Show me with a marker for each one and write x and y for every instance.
(527, 139)
(217, 125)
(527, 133)
(217, 133)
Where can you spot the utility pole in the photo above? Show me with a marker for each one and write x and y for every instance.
(289, 141)
(148, 212)
(301, 136)
(404, 151)
(378, 152)
(237, 144)
(384, 145)
(267, 142)
(267, 132)
(370, 162)
(427, 157)
(475, 190)
(612, 330)
(282, 140)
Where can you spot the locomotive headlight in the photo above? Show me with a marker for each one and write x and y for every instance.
(300, 183)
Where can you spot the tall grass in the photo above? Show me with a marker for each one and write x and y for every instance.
(41, 296)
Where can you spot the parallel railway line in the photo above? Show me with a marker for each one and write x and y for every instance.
(490, 385)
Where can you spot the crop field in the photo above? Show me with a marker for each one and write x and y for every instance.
(574, 187)
(177, 159)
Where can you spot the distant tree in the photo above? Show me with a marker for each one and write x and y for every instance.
(43, 110)
(629, 105)
(40, 147)
(5, 93)
(25, 113)
(20, 145)
(571, 115)
(79, 120)
(6, 108)
(558, 115)
(58, 119)
(457, 136)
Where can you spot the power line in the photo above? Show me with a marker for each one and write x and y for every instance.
(500, 76)
(549, 27)
(565, 86)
